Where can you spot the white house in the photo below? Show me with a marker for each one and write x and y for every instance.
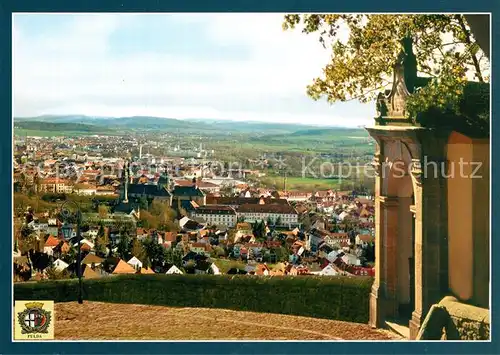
(328, 270)
(85, 189)
(141, 234)
(85, 241)
(351, 259)
(364, 239)
(39, 225)
(332, 241)
(59, 265)
(135, 263)
(287, 214)
(298, 196)
(216, 214)
(318, 224)
(215, 269)
(328, 209)
(174, 270)
(50, 244)
(343, 215)
(332, 256)
(91, 233)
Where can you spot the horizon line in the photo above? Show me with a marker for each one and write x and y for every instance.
(196, 119)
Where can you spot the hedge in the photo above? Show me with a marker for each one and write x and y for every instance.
(339, 298)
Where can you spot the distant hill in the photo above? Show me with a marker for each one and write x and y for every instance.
(164, 124)
(59, 126)
(330, 131)
(317, 134)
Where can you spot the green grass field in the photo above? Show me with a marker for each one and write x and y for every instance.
(300, 183)
(225, 265)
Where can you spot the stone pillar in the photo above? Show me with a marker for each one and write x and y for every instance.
(430, 238)
(390, 212)
(383, 299)
(376, 308)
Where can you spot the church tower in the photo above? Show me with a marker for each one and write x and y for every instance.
(163, 181)
(126, 178)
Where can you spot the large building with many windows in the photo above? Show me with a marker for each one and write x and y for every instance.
(216, 214)
(282, 215)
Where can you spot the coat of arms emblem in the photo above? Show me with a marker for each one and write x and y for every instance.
(34, 319)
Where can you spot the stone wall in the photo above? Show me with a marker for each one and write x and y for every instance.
(454, 320)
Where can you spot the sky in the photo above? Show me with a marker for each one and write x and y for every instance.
(213, 66)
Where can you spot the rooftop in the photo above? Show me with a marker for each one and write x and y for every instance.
(216, 209)
(187, 191)
(272, 208)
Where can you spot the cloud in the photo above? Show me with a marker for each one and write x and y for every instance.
(72, 69)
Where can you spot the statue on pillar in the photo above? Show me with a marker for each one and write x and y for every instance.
(391, 105)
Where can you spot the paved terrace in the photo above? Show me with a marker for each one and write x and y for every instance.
(100, 321)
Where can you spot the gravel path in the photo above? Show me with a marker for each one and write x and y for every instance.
(99, 321)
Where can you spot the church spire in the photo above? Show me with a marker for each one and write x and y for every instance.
(127, 174)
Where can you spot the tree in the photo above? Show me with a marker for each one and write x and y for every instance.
(148, 220)
(281, 253)
(231, 234)
(138, 250)
(169, 256)
(278, 221)
(53, 274)
(183, 212)
(70, 256)
(306, 222)
(100, 241)
(100, 247)
(162, 216)
(361, 64)
(177, 258)
(369, 252)
(123, 248)
(259, 229)
(143, 203)
(218, 252)
(154, 252)
(226, 191)
(103, 211)
(28, 238)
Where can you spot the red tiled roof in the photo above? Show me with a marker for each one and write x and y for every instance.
(51, 181)
(198, 245)
(201, 184)
(170, 237)
(366, 238)
(92, 259)
(215, 209)
(267, 208)
(123, 268)
(51, 241)
(146, 270)
(88, 273)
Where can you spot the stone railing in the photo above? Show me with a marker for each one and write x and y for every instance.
(454, 320)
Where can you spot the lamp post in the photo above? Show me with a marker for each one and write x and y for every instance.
(68, 217)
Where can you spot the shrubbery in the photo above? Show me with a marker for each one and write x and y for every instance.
(339, 298)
